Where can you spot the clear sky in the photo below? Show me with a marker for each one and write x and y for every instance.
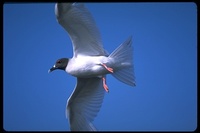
(165, 62)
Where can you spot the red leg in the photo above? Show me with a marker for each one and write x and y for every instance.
(104, 85)
(107, 68)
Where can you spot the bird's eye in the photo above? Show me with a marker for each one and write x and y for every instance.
(59, 61)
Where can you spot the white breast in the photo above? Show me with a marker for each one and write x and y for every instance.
(86, 66)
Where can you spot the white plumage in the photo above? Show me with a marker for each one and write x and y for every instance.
(90, 64)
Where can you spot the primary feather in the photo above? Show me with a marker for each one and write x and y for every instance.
(80, 25)
(84, 103)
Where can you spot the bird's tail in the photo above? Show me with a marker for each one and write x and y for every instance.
(123, 55)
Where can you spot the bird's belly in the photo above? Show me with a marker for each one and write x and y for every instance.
(85, 68)
(94, 71)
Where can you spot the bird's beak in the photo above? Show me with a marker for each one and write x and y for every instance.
(52, 69)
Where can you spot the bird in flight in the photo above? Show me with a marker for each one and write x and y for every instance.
(90, 64)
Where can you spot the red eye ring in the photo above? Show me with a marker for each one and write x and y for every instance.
(59, 61)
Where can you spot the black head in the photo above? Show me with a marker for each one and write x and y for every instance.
(60, 64)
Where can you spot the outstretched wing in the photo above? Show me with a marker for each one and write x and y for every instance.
(80, 25)
(84, 103)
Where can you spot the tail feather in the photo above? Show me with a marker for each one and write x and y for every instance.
(124, 56)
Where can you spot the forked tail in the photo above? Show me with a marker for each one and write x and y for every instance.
(124, 56)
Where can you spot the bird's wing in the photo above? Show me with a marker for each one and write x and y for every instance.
(80, 25)
(84, 103)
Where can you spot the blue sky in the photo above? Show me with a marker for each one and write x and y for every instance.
(165, 61)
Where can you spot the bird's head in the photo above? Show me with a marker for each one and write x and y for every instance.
(60, 64)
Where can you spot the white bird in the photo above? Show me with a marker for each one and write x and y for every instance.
(90, 64)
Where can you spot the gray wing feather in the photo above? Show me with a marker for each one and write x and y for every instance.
(80, 25)
(84, 103)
